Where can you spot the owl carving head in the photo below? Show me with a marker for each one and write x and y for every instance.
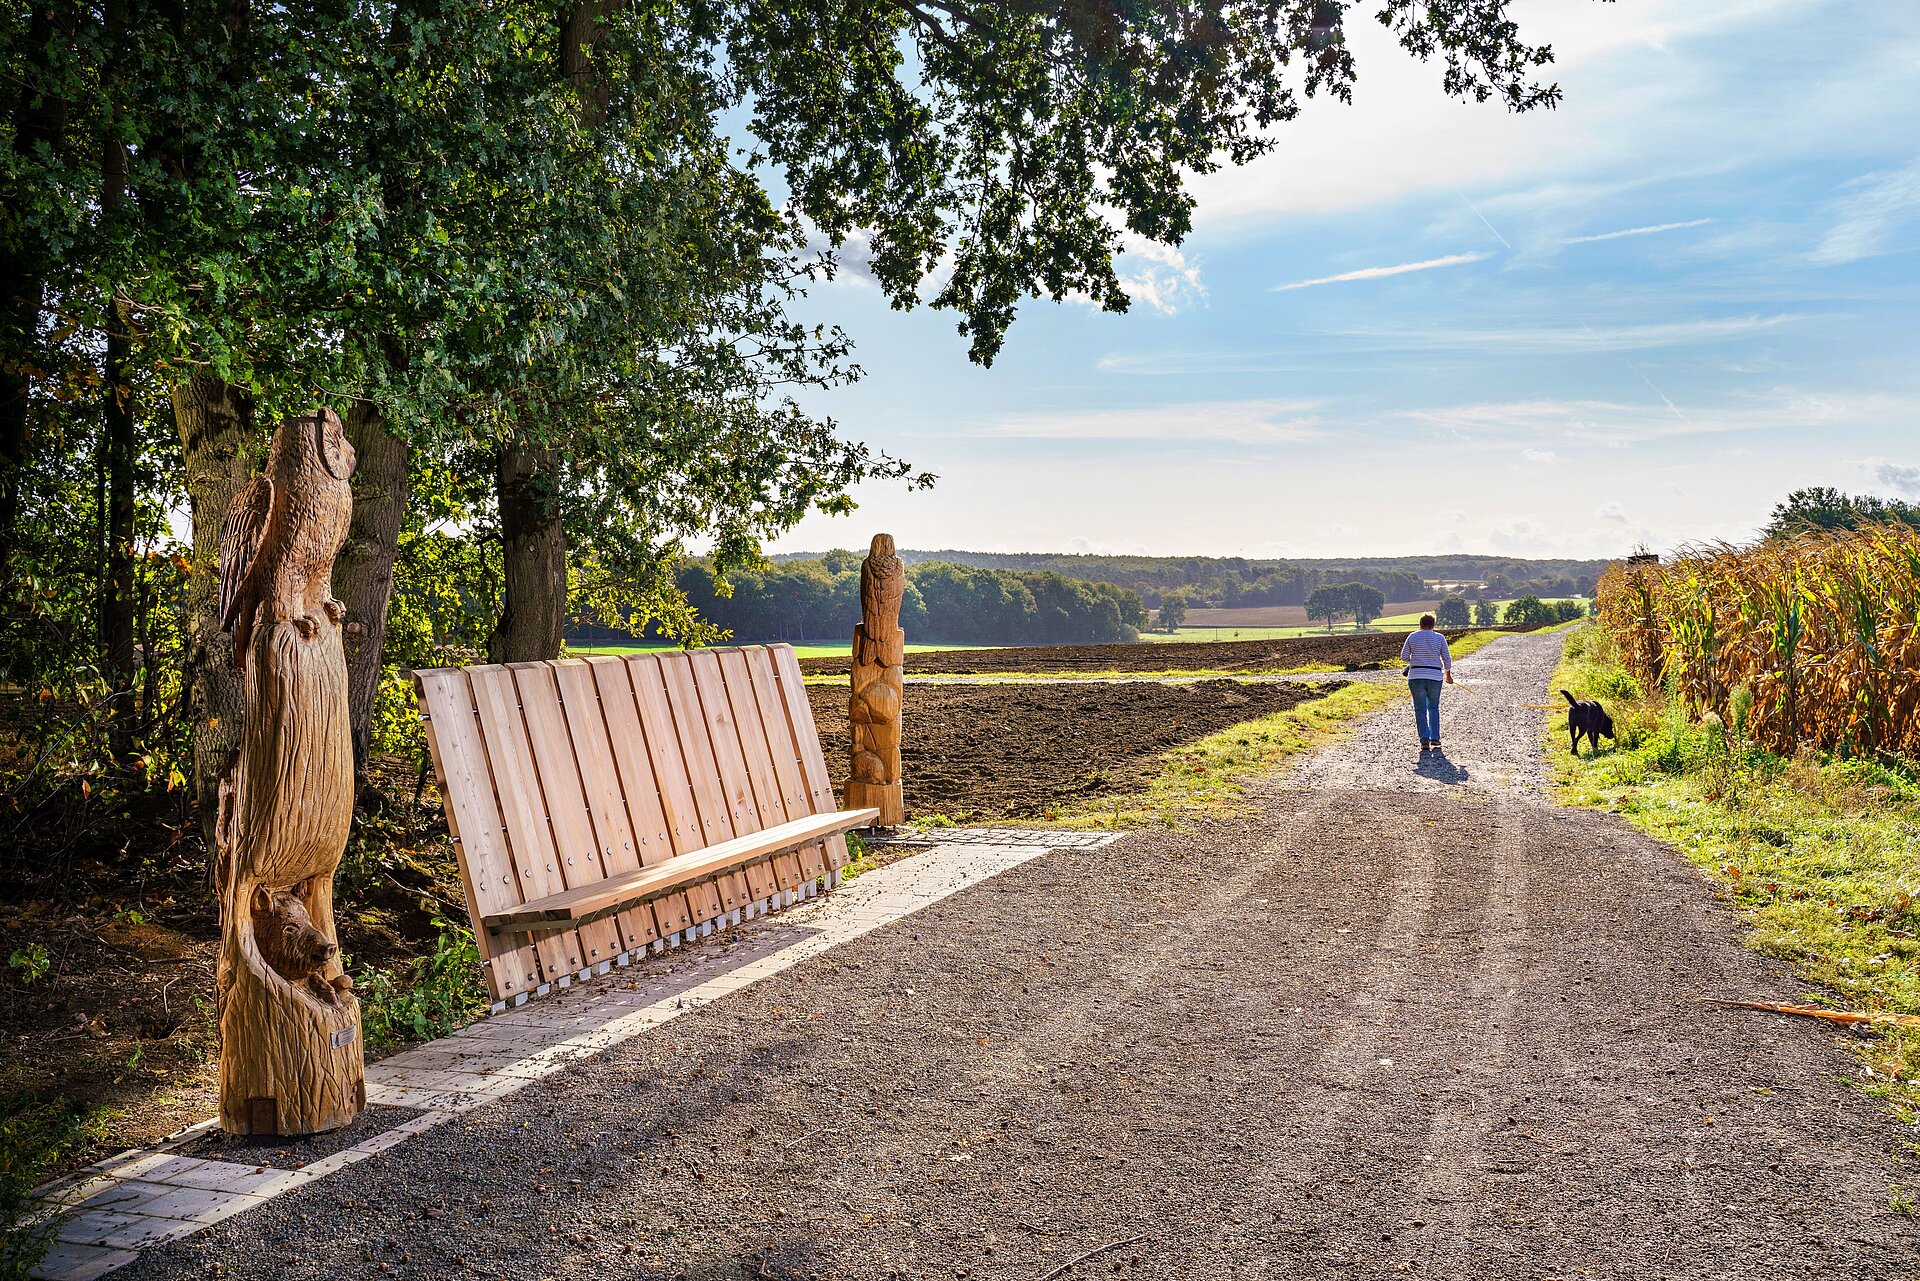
(331, 443)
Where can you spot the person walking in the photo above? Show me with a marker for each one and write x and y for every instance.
(1429, 663)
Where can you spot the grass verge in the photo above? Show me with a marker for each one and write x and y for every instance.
(1820, 853)
(1206, 778)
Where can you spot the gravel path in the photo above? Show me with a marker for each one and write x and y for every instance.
(1397, 1021)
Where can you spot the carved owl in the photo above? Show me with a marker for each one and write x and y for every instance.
(283, 530)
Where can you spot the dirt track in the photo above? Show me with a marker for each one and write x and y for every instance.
(1411, 1020)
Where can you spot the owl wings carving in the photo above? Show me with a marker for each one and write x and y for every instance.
(282, 531)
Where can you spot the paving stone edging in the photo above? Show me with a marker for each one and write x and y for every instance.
(116, 1207)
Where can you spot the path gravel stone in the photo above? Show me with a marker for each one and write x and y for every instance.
(1403, 1018)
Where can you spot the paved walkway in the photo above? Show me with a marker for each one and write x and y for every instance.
(1405, 1018)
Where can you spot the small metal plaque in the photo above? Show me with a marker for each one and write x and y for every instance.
(342, 1036)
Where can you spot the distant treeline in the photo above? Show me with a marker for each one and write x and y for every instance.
(819, 600)
(1225, 582)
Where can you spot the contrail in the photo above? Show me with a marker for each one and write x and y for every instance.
(1483, 218)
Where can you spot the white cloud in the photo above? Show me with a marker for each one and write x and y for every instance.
(1652, 230)
(1556, 340)
(1866, 218)
(1651, 87)
(1539, 456)
(1601, 422)
(1901, 478)
(1375, 273)
(1612, 512)
(1161, 276)
(1246, 422)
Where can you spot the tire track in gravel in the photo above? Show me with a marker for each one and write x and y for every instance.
(1177, 1038)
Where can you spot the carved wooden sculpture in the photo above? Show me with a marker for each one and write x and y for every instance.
(290, 1060)
(879, 650)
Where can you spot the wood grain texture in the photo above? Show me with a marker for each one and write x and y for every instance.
(879, 655)
(570, 785)
(290, 1053)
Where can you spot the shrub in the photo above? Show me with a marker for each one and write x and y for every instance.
(440, 994)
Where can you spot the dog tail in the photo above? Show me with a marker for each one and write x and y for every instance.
(1571, 700)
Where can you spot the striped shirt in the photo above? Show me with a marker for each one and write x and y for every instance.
(1426, 656)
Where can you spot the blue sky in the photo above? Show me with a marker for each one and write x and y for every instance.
(1421, 325)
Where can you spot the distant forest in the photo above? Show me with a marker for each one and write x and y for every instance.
(818, 599)
(1225, 582)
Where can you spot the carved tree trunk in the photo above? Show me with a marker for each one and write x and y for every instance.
(363, 576)
(533, 546)
(290, 1055)
(879, 656)
(215, 421)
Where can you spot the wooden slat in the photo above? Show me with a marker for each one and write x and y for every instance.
(730, 763)
(670, 772)
(473, 820)
(572, 907)
(632, 757)
(517, 786)
(600, 783)
(813, 762)
(783, 760)
(716, 819)
(576, 853)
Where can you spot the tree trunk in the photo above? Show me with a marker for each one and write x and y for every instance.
(533, 546)
(36, 118)
(215, 420)
(363, 575)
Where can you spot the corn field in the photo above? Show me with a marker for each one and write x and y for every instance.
(1811, 640)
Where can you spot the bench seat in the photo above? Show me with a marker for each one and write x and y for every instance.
(571, 908)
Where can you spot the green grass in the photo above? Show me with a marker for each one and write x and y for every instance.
(1206, 778)
(1820, 853)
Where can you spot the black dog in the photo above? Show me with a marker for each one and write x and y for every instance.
(1587, 717)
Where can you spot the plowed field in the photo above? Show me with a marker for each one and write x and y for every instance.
(1014, 751)
(1329, 653)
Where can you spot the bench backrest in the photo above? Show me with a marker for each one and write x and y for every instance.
(559, 774)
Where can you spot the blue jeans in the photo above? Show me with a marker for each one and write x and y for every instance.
(1426, 709)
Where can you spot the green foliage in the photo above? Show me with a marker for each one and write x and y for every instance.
(1327, 604)
(30, 962)
(33, 1134)
(1485, 613)
(1816, 849)
(1821, 507)
(1452, 611)
(797, 599)
(1364, 603)
(437, 994)
(1173, 611)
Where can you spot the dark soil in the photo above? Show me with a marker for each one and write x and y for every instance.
(1017, 751)
(121, 1017)
(1360, 651)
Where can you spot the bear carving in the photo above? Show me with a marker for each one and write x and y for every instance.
(292, 947)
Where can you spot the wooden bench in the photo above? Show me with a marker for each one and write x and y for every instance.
(607, 806)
